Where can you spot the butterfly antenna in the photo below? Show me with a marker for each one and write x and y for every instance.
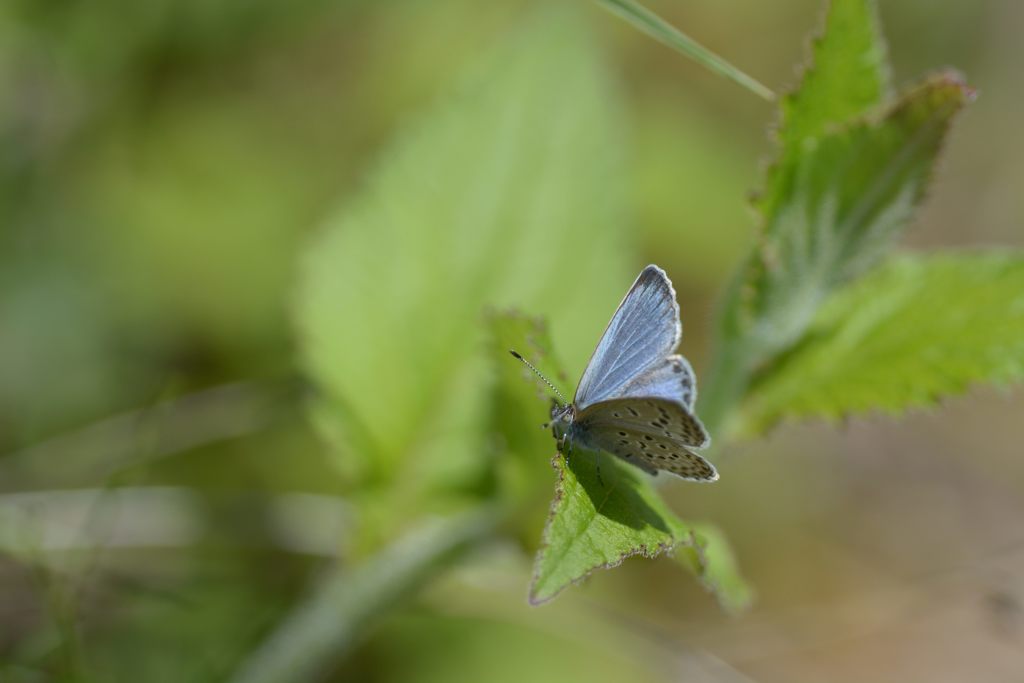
(527, 363)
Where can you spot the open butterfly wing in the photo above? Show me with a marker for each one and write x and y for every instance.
(644, 330)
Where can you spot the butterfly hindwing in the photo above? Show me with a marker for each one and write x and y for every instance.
(653, 434)
(672, 379)
(643, 331)
(651, 453)
(648, 415)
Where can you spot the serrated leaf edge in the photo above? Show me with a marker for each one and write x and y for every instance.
(925, 405)
(643, 550)
(808, 66)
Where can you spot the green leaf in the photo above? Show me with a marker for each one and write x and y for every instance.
(833, 211)
(846, 78)
(479, 203)
(596, 523)
(659, 29)
(597, 519)
(521, 403)
(838, 207)
(846, 183)
(916, 330)
(711, 559)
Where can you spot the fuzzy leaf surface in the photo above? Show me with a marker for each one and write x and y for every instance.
(837, 207)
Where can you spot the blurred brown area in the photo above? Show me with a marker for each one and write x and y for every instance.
(163, 498)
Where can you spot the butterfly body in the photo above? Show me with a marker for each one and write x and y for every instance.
(636, 397)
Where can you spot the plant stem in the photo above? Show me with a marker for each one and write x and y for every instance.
(333, 619)
(662, 31)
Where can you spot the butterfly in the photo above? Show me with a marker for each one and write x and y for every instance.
(636, 397)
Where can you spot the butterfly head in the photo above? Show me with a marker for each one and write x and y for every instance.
(562, 417)
(561, 413)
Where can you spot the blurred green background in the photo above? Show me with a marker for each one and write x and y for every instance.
(165, 497)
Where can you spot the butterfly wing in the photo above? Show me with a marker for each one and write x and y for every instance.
(643, 331)
(671, 379)
(652, 433)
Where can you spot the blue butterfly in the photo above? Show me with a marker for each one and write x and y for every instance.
(636, 397)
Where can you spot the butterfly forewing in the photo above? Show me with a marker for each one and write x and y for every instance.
(653, 434)
(644, 330)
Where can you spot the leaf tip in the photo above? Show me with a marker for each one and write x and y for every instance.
(536, 598)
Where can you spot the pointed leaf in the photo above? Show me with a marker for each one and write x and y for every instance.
(477, 204)
(596, 523)
(840, 206)
(521, 402)
(912, 332)
(711, 559)
(846, 78)
(846, 184)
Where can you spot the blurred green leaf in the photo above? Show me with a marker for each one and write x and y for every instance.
(847, 76)
(916, 330)
(711, 559)
(194, 218)
(479, 203)
(520, 404)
